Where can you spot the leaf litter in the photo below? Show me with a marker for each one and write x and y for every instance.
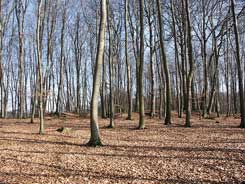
(205, 153)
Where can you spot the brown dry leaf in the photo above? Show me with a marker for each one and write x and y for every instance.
(206, 153)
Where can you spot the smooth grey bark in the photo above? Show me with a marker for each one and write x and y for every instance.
(78, 57)
(111, 72)
(134, 32)
(165, 66)
(177, 65)
(94, 126)
(62, 57)
(128, 65)
(102, 91)
(20, 9)
(150, 12)
(39, 60)
(1, 64)
(227, 75)
(191, 64)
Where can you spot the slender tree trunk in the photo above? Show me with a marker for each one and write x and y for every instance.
(178, 91)
(239, 67)
(227, 74)
(191, 67)
(165, 67)
(141, 68)
(227, 82)
(78, 66)
(39, 60)
(152, 69)
(84, 98)
(193, 105)
(102, 91)
(183, 49)
(20, 16)
(134, 36)
(128, 65)
(204, 57)
(161, 86)
(34, 84)
(95, 135)
(61, 81)
(1, 64)
(111, 76)
(214, 82)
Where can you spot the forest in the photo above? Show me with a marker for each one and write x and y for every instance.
(122, 91)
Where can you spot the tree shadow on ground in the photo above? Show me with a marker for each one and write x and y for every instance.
(181, 149)
(38, 141)
(67, 172)
(158, 148)
(184, 158)
(30, 133)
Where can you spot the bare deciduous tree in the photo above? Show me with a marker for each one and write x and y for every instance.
(95, 135)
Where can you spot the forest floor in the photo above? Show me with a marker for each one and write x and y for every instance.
(209, 152)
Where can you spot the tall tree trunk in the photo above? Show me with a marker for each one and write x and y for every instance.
(1, 64)
(78, 66)
(141, 68)
(95, 135)
(177, 66)
(39, 60)
(234, 89)
(204, 57)
(165, 66)
(59, 101)
(183, 48)
(214, 81)
(84, 98)
(111, 76)
(34, 97)
(161, 87)
(134, 36)
(227, 74)
(239, 67)
(20, 16)
(128, 65)
(102, 91)
(191, 67)
(152, 69)
(193, 102)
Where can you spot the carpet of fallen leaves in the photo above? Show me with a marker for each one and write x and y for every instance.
(208, 152)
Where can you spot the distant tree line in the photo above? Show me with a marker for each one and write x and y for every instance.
(107, 57)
